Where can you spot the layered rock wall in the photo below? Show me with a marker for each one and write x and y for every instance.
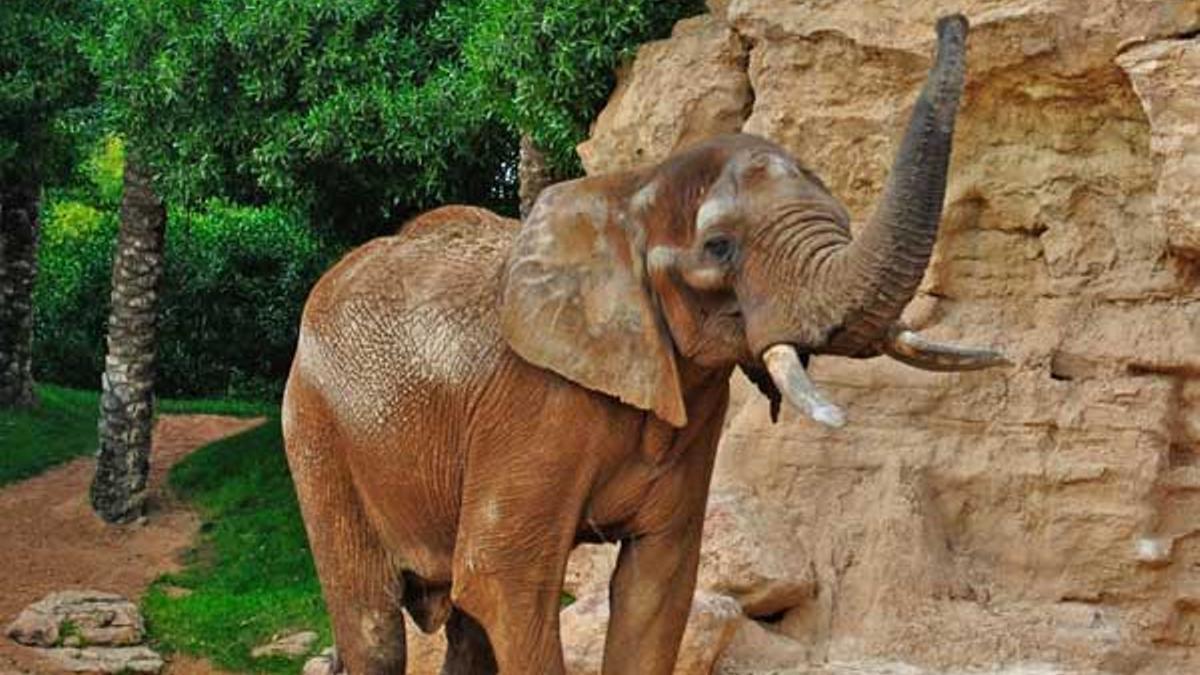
(1048, 513)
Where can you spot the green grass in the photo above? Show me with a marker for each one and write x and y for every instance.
(218, 406)
(251, 575)
(63, 427)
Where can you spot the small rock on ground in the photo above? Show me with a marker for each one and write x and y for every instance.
(105, 659)
(324, 663)
(291, 645)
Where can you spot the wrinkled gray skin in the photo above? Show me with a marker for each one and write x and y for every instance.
(473, 397)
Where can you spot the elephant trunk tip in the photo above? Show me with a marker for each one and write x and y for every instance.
(953, 27)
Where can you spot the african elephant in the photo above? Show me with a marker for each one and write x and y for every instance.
(474, 396)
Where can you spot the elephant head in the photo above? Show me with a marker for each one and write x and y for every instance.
(732, 252)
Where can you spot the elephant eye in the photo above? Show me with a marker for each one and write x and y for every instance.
(720, 249)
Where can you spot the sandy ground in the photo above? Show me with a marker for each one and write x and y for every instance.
(50, 540)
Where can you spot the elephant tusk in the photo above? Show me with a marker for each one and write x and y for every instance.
(911, 348)
(783, 363)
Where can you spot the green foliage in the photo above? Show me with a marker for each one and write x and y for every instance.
(260, 117)
(352, 111)
(548, 65)
(63, 427)
(252, 575)
(235, 282)
(67, 630)
(104, 171)
(71, 293)
(45, 88)
(360, 112)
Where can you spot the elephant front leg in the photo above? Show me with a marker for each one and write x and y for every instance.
(650, 597)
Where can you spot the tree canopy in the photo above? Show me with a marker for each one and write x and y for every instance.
(547, 66)
(360, 112)
(46, 89)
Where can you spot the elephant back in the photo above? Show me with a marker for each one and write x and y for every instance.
(406, 316)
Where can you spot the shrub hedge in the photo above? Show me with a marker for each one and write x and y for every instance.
(235, 283)
(70, 298)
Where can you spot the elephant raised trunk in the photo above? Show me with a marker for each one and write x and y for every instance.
(884, 265)
(882, 268)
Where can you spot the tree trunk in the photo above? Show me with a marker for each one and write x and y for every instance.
(532, 172)
(127, 399)
(18, 269)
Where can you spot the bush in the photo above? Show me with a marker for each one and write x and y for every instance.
(71, 296)
(235, 283)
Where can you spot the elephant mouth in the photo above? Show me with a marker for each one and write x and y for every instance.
(722, 308)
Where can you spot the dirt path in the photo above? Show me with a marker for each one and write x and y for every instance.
(50, 540)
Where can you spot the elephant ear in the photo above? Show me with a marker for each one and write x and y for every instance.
(575, 299)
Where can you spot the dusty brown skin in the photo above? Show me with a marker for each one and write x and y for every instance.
(473, 397)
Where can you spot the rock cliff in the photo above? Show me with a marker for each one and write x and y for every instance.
(1041, 518)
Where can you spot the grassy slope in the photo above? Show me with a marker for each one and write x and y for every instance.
(63, 427)
(251, 576)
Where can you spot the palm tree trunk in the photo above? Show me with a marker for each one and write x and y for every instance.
(127, 399)
(18, 270)
(533, 173)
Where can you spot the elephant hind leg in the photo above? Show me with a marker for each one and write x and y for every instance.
(468, 651)
(363, 591)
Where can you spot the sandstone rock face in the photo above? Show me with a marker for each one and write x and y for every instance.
(757, 649)
(1164, 75)
(1041, 518)
(712, 99)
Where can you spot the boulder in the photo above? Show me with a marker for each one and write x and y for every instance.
(105, 659)
(743, 559)
(711, 625)
(756, 649)
(85, 617)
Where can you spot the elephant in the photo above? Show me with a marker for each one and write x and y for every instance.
(474, 396)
